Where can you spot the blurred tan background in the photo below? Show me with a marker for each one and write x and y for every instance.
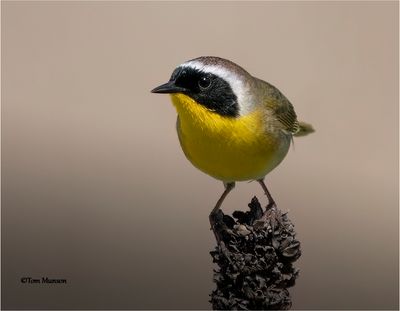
(96, 190)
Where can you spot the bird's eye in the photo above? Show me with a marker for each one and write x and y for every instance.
(204, 82)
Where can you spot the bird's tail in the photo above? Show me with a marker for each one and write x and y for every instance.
(304, 129)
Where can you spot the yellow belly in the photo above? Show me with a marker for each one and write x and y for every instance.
(229, 149)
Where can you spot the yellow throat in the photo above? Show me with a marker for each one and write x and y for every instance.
(227, 148)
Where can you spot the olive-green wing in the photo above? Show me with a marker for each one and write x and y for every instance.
(282, 110)
(286, 115)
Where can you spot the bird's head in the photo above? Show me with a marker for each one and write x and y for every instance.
(217, 84)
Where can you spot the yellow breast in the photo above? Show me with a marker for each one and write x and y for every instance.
(227, 148)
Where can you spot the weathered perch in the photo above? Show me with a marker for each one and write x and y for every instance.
(255, 260)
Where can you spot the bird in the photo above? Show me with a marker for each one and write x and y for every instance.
(231, 125)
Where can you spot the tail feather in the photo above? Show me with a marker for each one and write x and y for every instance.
(304, 129)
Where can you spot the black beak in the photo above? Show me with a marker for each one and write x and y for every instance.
(168, 87)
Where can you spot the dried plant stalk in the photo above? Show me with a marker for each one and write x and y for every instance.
(255, 259)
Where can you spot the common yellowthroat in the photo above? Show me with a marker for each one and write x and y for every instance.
(231, 125)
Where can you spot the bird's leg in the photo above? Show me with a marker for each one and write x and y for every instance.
(213, 221)
(228, 187)
(271, 202)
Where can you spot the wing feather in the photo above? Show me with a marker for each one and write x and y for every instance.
(281, 108)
